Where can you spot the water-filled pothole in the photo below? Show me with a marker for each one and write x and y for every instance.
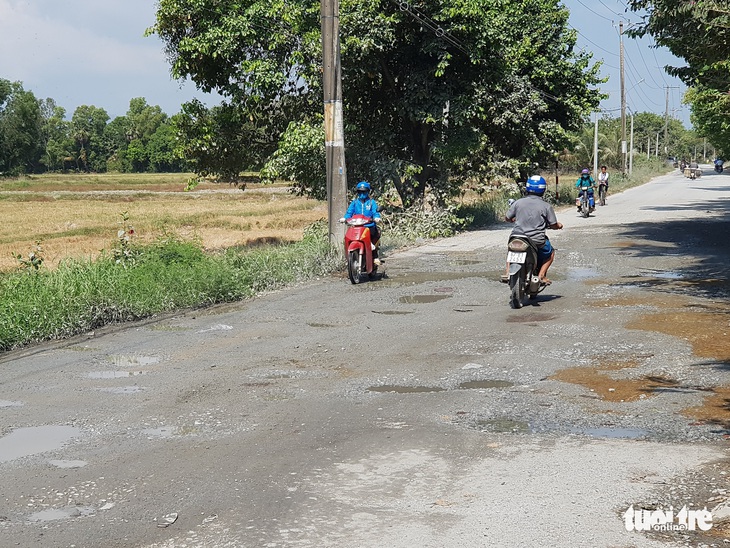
(405, 389)
(23, 442)
(504, 425)
(133, 361)
(577, 274)
(422, 299)
(488, 383)
(53, 514)
(68, 463)
(408, 277)
(114, 374)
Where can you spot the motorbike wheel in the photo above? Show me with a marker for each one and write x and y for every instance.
(585, 209)
(517, 291)
(353, 266)
(602, 196)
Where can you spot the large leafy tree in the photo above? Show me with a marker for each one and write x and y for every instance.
(87, 131)
(57, 144)
(21, 126)
(697, 31)
(435, 91)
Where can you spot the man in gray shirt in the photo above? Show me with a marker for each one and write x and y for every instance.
(532, 217)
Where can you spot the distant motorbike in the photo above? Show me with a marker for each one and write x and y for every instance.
(524, 269)
(692, 172)
(718, 167)
(359, 248)
(583, 202)
(602, 194)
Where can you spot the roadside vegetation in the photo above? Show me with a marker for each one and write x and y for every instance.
(157, 267)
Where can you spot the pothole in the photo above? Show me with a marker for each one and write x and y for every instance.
(405, 389)
(504, 425)
(422, 299)
(23, 442)
(486, 384)
(114, 374)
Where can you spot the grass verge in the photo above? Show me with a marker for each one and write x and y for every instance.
(79, 296)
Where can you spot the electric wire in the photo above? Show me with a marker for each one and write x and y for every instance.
(593, 11)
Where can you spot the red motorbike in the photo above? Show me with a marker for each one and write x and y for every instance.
(359, 248)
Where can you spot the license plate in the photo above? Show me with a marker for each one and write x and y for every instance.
(516, 257)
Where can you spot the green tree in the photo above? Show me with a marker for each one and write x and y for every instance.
(697, 31)
(225, 140)
(21, 126)
(87, 131)
(162, 150)
(55, 135)
(434, 94)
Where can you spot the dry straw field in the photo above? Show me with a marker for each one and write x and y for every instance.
(78, 215)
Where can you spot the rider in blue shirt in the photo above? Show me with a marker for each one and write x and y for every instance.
(363, 204)
(586, 180)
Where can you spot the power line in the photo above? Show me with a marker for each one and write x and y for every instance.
(591, 42)
(648, 71)
(594, 12)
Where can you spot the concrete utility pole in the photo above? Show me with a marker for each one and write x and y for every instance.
(666, 122)
(595, 148)
(623, 97)
(333, 123)
(631, 146)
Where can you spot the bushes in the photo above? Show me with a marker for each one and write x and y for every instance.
(40, 304)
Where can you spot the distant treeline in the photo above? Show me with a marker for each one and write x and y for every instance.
(36, 137)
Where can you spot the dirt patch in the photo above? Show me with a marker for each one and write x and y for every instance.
(715, 409)
(706, 331)
(609, 388)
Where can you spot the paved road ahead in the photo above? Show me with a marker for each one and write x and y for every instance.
(418, 410)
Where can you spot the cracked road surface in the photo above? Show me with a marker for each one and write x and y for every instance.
(414, 410)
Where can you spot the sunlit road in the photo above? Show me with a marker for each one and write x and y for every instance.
(418, 410)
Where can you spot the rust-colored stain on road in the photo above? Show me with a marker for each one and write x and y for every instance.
(705, 327)
(706, 330)
(597, 379)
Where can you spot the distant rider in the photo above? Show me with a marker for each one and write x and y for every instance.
(603, 179)
(532, 217)
(585, 180)
(364, 205)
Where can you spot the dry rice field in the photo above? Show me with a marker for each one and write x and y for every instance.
(78, 215)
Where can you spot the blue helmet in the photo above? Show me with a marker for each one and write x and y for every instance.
(363, 190)
(536, 185)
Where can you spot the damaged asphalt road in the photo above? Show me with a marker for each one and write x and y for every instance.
(415, 410)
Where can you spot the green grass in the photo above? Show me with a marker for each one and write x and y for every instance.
(39, 305)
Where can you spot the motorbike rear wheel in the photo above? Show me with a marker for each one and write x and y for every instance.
(585, 208)
(353, 266)
(517, 288)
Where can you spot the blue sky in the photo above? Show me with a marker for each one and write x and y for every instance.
(645, 79)
(94, 52)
